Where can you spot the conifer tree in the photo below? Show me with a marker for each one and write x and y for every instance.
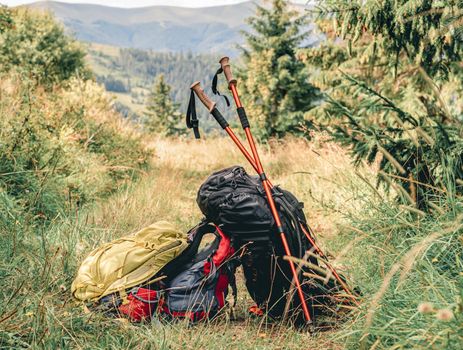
(163, 116)
(274, 81)
(393, 87)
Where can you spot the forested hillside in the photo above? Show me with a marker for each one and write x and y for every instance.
(132, 71)
(128, 48)
(161, 28)
(130, 75)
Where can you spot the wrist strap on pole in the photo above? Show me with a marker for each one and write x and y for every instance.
(192, 121)
(214, 86)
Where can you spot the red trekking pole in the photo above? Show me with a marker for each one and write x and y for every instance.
(265, 182)
(232, 82)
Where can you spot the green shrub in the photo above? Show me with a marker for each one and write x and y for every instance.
(36, 46)
(63, 148)
(392, 80)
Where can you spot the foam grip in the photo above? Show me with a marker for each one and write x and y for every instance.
(196, 87)
(225, 64)
(243, 117)
(219, 117)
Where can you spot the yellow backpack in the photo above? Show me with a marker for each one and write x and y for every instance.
(128, 261)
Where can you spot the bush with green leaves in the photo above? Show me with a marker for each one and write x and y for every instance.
(36, 46)
(63, 149)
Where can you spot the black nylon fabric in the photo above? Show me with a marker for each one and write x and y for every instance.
(236, 201)
(192, 291)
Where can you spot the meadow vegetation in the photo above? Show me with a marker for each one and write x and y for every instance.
(74, 174)
(390, 73)
(38, 309)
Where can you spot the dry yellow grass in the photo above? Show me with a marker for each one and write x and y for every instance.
(319, 173)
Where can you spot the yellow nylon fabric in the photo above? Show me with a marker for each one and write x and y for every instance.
(127, 261)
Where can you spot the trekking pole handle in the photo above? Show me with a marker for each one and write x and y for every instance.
(225, 64)
(196, 87)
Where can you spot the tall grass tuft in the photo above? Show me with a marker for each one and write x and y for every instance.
(409, 268)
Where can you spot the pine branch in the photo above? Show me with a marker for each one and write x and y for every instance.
(387, 102)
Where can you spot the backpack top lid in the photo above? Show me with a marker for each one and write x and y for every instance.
(221, 186)
(127, 261)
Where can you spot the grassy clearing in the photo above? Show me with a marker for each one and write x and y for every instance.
(400, 259)
(36, 305)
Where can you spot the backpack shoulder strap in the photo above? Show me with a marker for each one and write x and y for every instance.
(195, 236)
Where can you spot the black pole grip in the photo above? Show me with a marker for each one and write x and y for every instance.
(219, 117)
(243, 117)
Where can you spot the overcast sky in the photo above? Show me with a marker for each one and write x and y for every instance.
(140, 3)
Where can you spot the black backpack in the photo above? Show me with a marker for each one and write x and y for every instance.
(236, 201)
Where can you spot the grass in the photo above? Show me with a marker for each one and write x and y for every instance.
(390, 255)
(37, 309)
(413, 277)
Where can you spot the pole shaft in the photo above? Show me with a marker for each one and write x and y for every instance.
(241, 147)
(258, 167)
(273, 208)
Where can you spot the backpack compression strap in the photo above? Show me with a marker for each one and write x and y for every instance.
(192, 121)
(214, 86)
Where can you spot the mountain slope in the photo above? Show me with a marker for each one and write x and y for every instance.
(161, 28)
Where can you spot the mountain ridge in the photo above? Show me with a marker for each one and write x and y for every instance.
(160, 28)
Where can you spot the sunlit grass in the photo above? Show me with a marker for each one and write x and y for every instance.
(374, 240)
(38, 299)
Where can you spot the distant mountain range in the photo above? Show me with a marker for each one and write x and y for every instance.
(160, 28)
